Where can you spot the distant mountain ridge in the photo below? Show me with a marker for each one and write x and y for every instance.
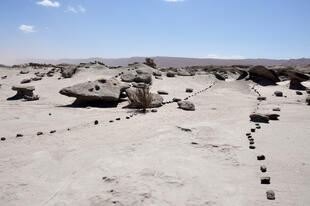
(180, 61)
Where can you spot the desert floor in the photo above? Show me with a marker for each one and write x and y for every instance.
(148, 159)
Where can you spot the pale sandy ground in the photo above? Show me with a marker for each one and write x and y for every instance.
(147, 160)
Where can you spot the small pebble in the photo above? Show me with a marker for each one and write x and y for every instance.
(248, 134)
(19, 135)
(127, 117)
(39, 133)
(52, 131)
(263, 168)
(118, 119)
(265, 180)
(96, 122)
(195, 143)
(253, 130)
(154, 110)
(261, 157)
(258, 127)
(111, 121)
(68, 129)
(251, 142)
(270, 195)
(3, 138)
(252, 147)
(49, 114)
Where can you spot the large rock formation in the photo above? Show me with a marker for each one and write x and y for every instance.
(96, 91)
(24, 92)
(263, 76)
(67, 71)
(296, 79)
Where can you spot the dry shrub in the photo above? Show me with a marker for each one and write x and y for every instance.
(142, 98)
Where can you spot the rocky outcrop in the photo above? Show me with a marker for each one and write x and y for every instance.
(296, 79)
(68, 71)
(24, 92)
(186, 105)
(101, 90)
(263, 76)
(138, 78)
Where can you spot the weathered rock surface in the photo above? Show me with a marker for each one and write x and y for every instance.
(68, 71)
(186, 105)
(171, 74)
(99, 90)
(263, 76)
(162, 92)
(24, 92)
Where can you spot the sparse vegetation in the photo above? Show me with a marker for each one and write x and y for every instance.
(142, 98)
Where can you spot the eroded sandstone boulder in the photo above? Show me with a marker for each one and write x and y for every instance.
(99, 90)
(259, 118)
(186, 105)
(24, 92)
(263, 76)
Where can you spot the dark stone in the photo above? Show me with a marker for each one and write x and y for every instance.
(298, 92)
(96, 122)
(39, 133)
(273, 116)
(248, 134)
(259, 118)
(3, 138)
(19, 135)
(194, 143)
(261, 98)
(189, 90)
(118, 119)
(265, 180)
(171, 74)
(270, 195)
(24, 81)
(162, 92)
(263, 168)
(127, 117)
(261, 157)
(53, 131)
(176, 99)
(186, 105)
(278, 93)
(154, 110)
(111, 121)
(252, 147)
(276, 109)
(253, 130)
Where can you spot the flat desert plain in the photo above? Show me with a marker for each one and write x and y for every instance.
(114, 155)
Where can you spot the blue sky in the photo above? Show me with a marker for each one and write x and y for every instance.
(123, 28)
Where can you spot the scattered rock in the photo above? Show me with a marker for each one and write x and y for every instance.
(273, 116)
(53, 131)
(263, 168)
(278, 93)
(24, 72)
(219, 76)
(276, 109)
(19, 135)
(261, 98)
(298, 92)
(265, 180)
(36, 78)
(189, 90)
(39, 133)
(194, 143)
(127, 117)
(24, 81)
(184, 129)
(96, 122)
(248, 134)
(118, 119)
(3, 138)
(253, 130)
(162, 92)
(261, 157)
(4, 77)
(154, 110)
(186, 105)
(176, 99)
(156, 77)
(111, 121)
(259, 118)
(252, 147)
(157, 73)
(171, 74)
(270, 195)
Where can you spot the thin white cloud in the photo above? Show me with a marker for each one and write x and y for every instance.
(71, 9)
(26, 28)
(173, 0)
(48, 3)
(76, 10)
(82, 9)
(214, 56)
